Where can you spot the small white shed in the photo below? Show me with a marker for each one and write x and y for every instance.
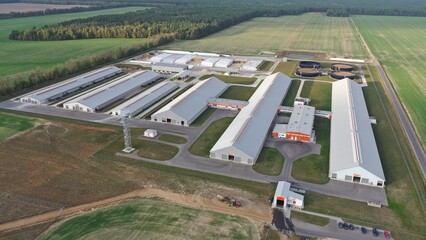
(151, 133)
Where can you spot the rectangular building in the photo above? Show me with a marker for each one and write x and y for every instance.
(144, 100)
(184, 59)
(209, 62)
(224, 63)
(64, 88)
(106, 95)
(251, 65)
(158, 58)
(285, 198)
(168, 67)
(244, 138)
(184, 109)
(353, 151)
(299, 127)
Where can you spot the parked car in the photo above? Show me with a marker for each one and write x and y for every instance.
(340, 225)
(387, 234)
(375, 232)
(345, 226)
(364, 230)
(351, 227)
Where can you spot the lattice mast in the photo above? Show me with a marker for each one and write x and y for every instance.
(126, 131)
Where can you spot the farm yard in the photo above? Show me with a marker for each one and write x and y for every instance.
(308, 32)
(24, 56)
(399, 43)
(154, 219)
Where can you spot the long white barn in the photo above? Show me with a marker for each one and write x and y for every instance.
(353, 152)
(61, 89)
(244, 138)
(184, 109)
(102, 97)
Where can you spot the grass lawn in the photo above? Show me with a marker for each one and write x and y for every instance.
(265, 66)
(12, 124)
(153, 219)
(314, 168)
(156, 150)
(399, 43)
(209, 137)
(306, 32)
(238, 93)
(270, 162)
(308, 218)
(319, 93)
(172, 138)
(292, 92)
(203, 117)
(23, 56)
(231, 79)
(288, 68)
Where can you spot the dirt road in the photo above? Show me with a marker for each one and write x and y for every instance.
(253, 214)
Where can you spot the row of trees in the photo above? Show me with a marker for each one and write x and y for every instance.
(16, 83)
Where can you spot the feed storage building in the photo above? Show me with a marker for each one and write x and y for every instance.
(106, 95)
(144, 100)
(353, 152)
(299, 127)
(168, 67)
(72, 85)
(244, 138)
(184, 109)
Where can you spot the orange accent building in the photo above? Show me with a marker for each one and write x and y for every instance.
(299, 127)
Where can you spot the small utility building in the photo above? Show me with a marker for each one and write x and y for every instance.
(285, 198)
(244, 138)
(251, 65)
(184, 109)
(299, 127)
(353, 152)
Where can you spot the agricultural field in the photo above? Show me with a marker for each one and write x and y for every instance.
(156, 150)
(399, 43)
(319, 93)
(308, 32)
(24, 56)
(31, 7)
(153, 219)
(12, 124)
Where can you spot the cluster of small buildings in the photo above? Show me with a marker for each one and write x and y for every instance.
(299, 127)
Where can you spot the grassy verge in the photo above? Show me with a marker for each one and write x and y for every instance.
(172, 138)
(292, 92)
(12, 124)
(231, 79)
(156, 150)
(205, 142)
(314, 168)
(319, 93)
(238, 93)
(308, 218)
(203, 117)
(287, 68)
(270, 162)
(265, 66)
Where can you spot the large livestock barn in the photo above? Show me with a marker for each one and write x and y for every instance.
(244, 138)
(353, 152)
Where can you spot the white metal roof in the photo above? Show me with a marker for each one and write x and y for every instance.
(301, 119)
(63, 87)
(283, 190)
(171, 59)
(184, 59)
(224, 62)
(252, 64)
(113, 90)
(190, 103)
(248, 129)
(280, 128)
(209, 61)
(159, 57)
(352, 139)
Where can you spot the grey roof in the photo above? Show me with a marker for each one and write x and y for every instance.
(283, 190)
(248, 130)
(301, 119)
(73, 83)
(163, 64)
(147, 97)
(117, 88)
(352, 139)
(191, 102)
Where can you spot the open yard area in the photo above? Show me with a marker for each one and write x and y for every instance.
(200, 120)
(334, 36)
(156, 150)
(172, 138)
(312, 219)
(12, 124)
(270, 162)
(231, 79)
(399, 43)
(238, 93)
(291, 94)
(23, 56)
(154, 219)
(319, 93)
(288, 68)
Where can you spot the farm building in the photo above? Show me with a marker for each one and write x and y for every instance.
(184, 109)
(171, 59)
(285, 198)
(244, 138)
(224, 103)
(72, 85)
(209, 62)
(301, 101)
(182, 75)
(185, 59)
(102, 97)
(168, 67)
(158, 58)
(144, 100)
(224, 63)
(251, 65)
(299, 127)
(353, 151)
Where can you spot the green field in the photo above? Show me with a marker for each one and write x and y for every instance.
(231, 79)
(308, 218)
(288, 68)
(334, 36)
(291, 94)
(156, 150)
(23, 56)
(12, 124)
(172, 138)
(238, 93)
(153, 219)
(270, 162)
(400, 45)
(200, 120)
(319, 93)
(265, 66)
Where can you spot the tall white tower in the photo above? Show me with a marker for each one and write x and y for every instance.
(127, 134)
